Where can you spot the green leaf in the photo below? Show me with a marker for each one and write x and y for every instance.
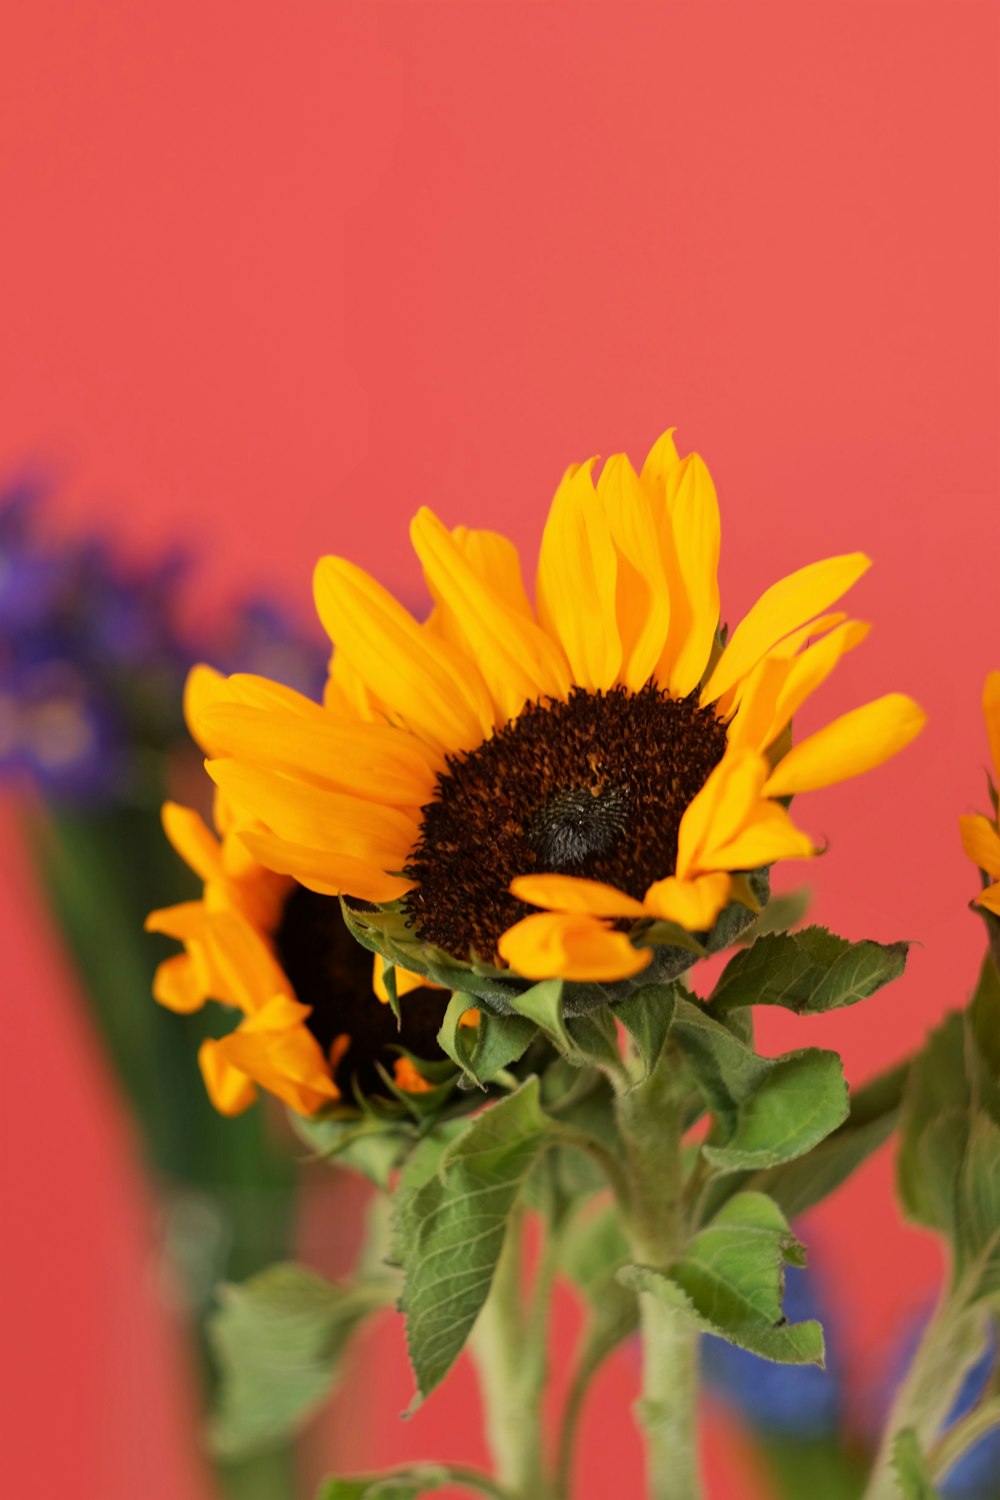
(937, 1087)
(807, 972)
(781, 914)
(405, 1484)
(647, 1017)
(542, 1004)
(278, 1338)
(770, 1110)
(484, 1050)
(800, 1184)
(730, 1281)
(907, 1460)
(364, 1143)
(800, 1101)
(450, 1229)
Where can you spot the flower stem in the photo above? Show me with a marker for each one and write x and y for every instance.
(952, 1341)
(651, 1122)
(509, 1347)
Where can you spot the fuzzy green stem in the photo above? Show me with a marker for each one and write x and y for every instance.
(651, 1122)
(956, 1443)
(952, 1341)
(510, 1352)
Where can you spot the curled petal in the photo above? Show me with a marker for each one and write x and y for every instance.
(569, 893)
(550, 945)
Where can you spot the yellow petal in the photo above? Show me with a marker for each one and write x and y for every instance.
(406, 982)
(345, 693)
(692, 904)
(990, 899)
(777, 687)
(551, 945)
(516, 658)
(643, 603)
(568, 893)
(577, 582)
(420, 678)
(324, 871)
(184, 921)
(177, 985)
(767, 835)
(981, 843)
(991, 713)
(493, 558)
(719, 811)
(662, 462)
(248, 974)
(407, 1076)
(229, 1089)
(373, 761)
(318, 818)
(194, 842)
(785, 607)
(204, 686)
(857, 741)
(693, 511)
(276, 1050)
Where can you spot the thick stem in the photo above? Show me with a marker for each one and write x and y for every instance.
(952, 1341)
(509, 1350)
(651, 1121)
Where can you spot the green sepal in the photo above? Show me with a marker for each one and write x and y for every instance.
(363, 1142)
(450, 1229)
(730, 1281)
(485, 1050)
(908, 1462)
(278, 1339)
(647, 1016)
(387, 930)
(807, 972)
(769, 1110)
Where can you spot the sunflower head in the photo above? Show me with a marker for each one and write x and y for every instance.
(589, 785)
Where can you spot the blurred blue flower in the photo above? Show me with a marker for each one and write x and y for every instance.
(93, 655)
(799, 1401)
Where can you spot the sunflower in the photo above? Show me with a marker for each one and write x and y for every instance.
(980, 838)
(551, 790)
(317, 1025)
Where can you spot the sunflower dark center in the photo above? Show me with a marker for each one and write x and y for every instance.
(594, 787)
(332, 973)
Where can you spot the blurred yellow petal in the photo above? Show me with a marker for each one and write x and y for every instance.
(373, 761)
(577, 579)
(692, 904)
(784, 607)
(405, 981)
(857, 741)
(193, 840)
(229, 1089)
(325, 871)
(177, 985)
(419, 677)
(990, 899)
(517, 659)
(407, 1076)
(981, 843)
(345, 692)
(276, 1050)
(991, 713)
(184, 921)
(248, 972)
(551, 945)
(203, 687)
(569, 893)
(643, 604)
(693, 510)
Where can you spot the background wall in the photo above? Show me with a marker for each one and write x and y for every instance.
(273, 274)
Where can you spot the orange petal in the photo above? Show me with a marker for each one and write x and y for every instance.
(551, 945)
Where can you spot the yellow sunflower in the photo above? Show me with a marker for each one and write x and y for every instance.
(546, 790)
(980, 838)
(313, 1030)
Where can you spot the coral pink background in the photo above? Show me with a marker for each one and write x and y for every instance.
(275, 273)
